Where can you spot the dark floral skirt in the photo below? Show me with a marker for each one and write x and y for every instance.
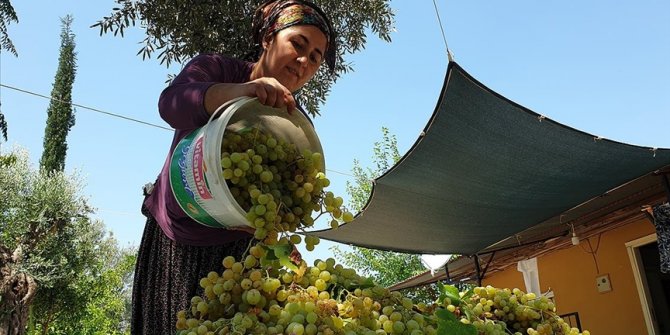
(167, 276)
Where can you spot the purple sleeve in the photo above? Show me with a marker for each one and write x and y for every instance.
(182, 103)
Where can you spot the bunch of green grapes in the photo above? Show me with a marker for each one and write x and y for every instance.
(496, 311)
(280, 187)
(327, 298)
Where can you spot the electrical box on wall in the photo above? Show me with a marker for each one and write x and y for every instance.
(603, 283)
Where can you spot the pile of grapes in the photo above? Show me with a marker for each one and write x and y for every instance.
(328, 299)
(322, 299)
(271, 290)
(494, 311)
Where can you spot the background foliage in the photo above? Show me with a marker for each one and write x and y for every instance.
(386, 267)
(179, 30)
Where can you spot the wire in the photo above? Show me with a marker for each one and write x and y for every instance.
(85, 107)
(342, 173)
(444, 38)
(118, 212)
(592, 251)
(116, 115)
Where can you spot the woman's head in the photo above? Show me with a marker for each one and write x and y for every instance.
(296, 37)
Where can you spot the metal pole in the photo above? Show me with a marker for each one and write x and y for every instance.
(479, 270)
(446, 270)
(486, 268)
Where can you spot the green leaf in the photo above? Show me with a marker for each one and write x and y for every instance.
(269, 254)
(367, 283)
(451, 292)
(467, 311)
(281, 252)
(445, 315)
(448, 324)
(468, 294)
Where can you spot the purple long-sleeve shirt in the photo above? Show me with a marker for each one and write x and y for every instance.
(181, 105)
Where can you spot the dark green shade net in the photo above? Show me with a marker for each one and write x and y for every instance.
(486, 169)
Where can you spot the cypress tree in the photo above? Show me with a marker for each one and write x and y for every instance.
(60, 114)
(3, 126)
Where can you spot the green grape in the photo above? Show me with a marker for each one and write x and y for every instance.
(226, 162)
(334, 224)
(259, 209)
(324, 274)
(295, 239)
(250, 261)
(292, 307)
(266, 176)
(227, 173)
(260, 233)
(395, 316)
(246, 283)
(253, 296)
(298, 318)
(398, 327)
(237, 267)
(311, 329)
(202, 307)
(388, 326)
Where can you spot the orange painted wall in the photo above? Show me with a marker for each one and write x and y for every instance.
(571, 274)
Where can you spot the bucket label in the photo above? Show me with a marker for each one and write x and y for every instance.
(199, 170)
(183, 180)
(181, 163)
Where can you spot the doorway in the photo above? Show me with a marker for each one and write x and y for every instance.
(659, 286)
(653, 286)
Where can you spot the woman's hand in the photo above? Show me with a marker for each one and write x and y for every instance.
(268, 90)
(272, 93)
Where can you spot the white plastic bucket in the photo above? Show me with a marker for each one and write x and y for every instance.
(195, 166)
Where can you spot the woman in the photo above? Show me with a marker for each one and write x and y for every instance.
(175, 252)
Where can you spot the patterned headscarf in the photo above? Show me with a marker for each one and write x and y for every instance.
(275, 15)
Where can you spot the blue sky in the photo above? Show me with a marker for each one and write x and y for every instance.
(598, 66)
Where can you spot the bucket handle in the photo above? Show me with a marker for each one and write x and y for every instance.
(227, 104)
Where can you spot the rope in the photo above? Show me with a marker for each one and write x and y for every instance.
(444, 38)
(85, 107)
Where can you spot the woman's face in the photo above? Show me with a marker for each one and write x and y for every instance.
(293, 55)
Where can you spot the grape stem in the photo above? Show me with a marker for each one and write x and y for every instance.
(295, 161)
(251, 241)
(258, 129)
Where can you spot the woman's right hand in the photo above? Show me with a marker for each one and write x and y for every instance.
(271, 92)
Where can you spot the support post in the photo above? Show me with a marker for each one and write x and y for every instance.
(446, 271)
(486, 268)
(479, 270)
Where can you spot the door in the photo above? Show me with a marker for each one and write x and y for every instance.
(640, 273)
(658, 285)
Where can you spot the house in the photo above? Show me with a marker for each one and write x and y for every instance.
(609, 283)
